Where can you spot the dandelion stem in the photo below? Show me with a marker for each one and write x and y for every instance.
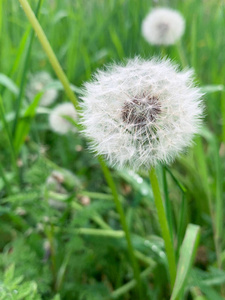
(164, 226)
(120, 211)
(49, 52)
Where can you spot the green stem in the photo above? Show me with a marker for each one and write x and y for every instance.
(49, 52)
(164, 226)
(120, 211)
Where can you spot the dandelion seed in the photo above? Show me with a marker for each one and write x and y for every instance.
(163, 26)
(38, 83)
(141, 113)
(57, 120)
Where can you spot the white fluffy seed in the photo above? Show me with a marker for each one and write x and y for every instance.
(163, 26)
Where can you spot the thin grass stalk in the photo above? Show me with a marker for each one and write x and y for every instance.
(223, 116)
(216, 218)
(8, 133)
(181, 222)
(182, 55)
(219, 204)
(164, 226)
(131, 284)
(5, 180)
(120, 211)
(49, 52)
(19, 99)
(167, 202)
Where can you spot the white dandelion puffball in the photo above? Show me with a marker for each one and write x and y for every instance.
(57, 120)
(163, 26)
(141, 113)
(38, 83)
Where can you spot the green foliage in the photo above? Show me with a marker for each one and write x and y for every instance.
(15, 288)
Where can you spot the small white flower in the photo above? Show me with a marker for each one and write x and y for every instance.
(57, 120)
(38, 83)
(163, 26)
(142, 113)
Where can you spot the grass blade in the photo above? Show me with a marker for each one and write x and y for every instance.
(24, 125)
(187, 254)
(25, 68)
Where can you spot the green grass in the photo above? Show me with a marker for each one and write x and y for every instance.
(71, 240)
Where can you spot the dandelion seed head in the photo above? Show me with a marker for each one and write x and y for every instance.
(57, 120)
(163, 26)
(141, 113)
(38, 82)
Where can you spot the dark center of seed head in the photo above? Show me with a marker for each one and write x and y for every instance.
(162, 28)
(140, 112)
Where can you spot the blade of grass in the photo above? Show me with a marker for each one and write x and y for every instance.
(23, 127)
(187, 255)
(9, 84)
(10, 140)
(223, 115)
(128, 286)
(18, 102)
(181, 221)
(164, 226)
(219, 202)
(167, 202)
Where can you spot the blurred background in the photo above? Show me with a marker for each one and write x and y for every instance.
(55, 203)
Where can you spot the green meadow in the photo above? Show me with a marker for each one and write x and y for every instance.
(71, 226)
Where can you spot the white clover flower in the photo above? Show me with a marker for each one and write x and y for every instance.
(38, 83)
(57, 120)
(142, 113)
(163, 26)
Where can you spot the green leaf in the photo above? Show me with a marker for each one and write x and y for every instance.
(56, 297)
(9, 84)
(24, 124)
(9, 273)
(187, 254)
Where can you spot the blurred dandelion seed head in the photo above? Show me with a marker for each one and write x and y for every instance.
(141, 113)
(57, 120)
(163, 26)
(39, 82)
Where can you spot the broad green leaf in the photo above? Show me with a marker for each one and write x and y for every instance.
(187, 254)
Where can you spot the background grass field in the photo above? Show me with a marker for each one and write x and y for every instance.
(65, 241)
